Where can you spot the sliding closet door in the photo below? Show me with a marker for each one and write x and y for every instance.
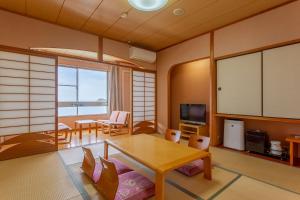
(239, 85)
(281, 70)
(28, 117)
(143, 102)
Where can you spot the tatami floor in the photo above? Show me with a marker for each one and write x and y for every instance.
(235, 176)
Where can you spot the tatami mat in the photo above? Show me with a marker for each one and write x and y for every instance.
(75, 155)
(235, 177)
(229, 167)
(250, 189)
(39, 177)
(171, 192)
(274, 173)
(177, 187)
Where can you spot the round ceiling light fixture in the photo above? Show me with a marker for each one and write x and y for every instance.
(148, 5)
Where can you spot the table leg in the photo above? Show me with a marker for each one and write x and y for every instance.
(105, 150)
(80, 131)
(75, 128)
(207, 167)
(96, 124)
(159, 186)
(90, 128)
(291, 153)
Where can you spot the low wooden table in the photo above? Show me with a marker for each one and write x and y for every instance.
(293, 141)
(159, 155)
(63, 128)
(89, 122)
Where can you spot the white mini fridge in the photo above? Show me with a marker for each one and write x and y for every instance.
(234, 134)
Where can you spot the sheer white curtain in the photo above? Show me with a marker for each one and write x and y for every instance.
(114, 90)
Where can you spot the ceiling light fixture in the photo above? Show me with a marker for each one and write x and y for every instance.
(148, 5)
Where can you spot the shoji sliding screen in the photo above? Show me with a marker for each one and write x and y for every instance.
(28, 118)
(143, 102)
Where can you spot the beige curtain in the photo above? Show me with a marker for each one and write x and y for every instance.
(114, 93)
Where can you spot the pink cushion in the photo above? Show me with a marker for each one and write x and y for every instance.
(133, 186)
(192, 168)
(120, 167)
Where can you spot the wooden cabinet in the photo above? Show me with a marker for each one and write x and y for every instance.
(281, 82)
(239, 85)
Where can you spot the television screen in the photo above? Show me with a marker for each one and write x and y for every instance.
(193, 113)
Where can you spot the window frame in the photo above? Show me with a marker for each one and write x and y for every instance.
(77, 103)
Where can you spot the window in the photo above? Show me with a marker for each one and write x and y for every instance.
(81, 91)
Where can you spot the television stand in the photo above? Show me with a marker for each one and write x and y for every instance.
(190, 129)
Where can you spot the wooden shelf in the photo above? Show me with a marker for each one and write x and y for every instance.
(190, 129)
(271, 119)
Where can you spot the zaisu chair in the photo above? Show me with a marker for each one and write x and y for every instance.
(197, 166)
(127, 186)
(173, 135)
(93, 169)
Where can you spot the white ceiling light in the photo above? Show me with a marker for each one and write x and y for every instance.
(148, 5)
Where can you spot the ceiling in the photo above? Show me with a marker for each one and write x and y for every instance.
(151, 30)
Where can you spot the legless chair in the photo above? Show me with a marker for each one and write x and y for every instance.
(93, 169)
(173, 135)
(197, 166)
(127, 186)
(121, 123)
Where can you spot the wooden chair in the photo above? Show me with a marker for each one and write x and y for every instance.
(113, 118)
(197, 166)
(173, 135)
(122, 123)
(199, 142)
(130, 185)
(93, 169)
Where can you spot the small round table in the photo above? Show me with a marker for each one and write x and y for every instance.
(79, 124)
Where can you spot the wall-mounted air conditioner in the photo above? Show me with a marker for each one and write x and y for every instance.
(142, 55)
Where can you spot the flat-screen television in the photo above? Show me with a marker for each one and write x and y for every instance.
(193, 113)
